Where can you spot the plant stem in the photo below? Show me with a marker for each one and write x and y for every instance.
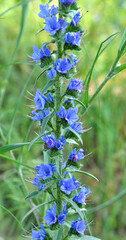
(111, 72)
(57, 108)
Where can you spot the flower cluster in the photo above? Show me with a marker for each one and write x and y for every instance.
(57, 111)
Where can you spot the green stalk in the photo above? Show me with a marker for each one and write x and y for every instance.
(111, 72)
(57, 108)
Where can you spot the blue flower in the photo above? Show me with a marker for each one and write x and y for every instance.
(69, 185)
(78, 226)
(76, 18)
(75, 156)
(81, 196)
(40, 53)
(40, 116)
(45, 12)
(70, 115)
(52, 143)
(52, 25)
(36, 54)
(39, 100)
(45, 52)
(75, 85)
(74, 58)
(68, 2)
(63, 65)
(77, 127)
(49, 140)
(37, 182)
(73, 38)
(50, 216)
(60, 142)
(51, 73)
(41, 235)
(46, 170)
(62, 217)
(49, 98)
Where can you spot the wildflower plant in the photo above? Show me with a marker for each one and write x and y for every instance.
(57, 112)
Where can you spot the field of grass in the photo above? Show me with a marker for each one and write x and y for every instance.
(106, 115)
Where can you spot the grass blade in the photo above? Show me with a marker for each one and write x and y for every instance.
(10, 147)
(15, 161)
(22, 26)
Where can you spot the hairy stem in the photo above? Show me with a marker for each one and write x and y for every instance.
(57, 108)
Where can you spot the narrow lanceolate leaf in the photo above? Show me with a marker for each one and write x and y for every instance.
(15, 161)
(71, 141)
(47, 86)
(45, 121)
(119, 68)
(122, 42)
(82, 172)
(35, 208)
(85, 237)
(8, 148)
(76, 134)
(32, 195)
(74, 205)
(34, 140)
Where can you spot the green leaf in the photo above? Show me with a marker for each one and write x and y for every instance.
(119, 68)
(32, 195)
(82, 172)
(45, 121)
(25, 5)
(35, 208)
(48, 85)
(71, 141)
(76, 134)
(12, 215)
(85, 237)
(74, 206)
(122, 42)
(34, 140)
(8, 148)
(15, 161)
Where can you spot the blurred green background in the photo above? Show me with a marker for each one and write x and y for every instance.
(106, 115)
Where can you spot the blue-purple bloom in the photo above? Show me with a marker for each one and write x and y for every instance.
(46, 12)
(73, 38)
(75, 156)
(40, 116)
(41, 235)
(42, 53)
(52, 143)
(50, 216)
(77, 127)
(76, 19)
(63, 65)
(62, 216)
(46, 171)
(39, 100)
(49, 97)
(53, 26)
(79, 226)
(67, 2)
(51, 73)
(69, 185)
(38, 182)
(75, 85)
(81, 196)
(49, 140)
(70, 115)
